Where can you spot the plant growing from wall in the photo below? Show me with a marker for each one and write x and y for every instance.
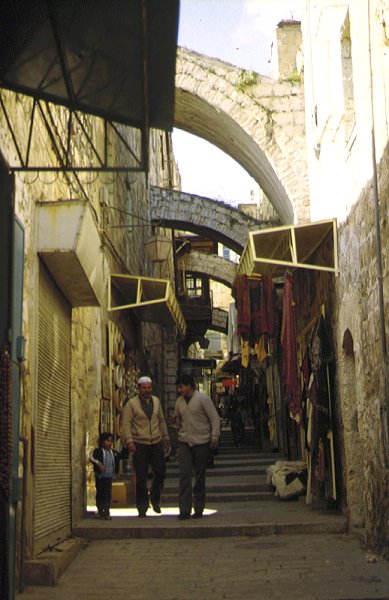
(245, 79)
(295, 77)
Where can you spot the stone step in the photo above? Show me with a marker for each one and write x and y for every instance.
(227, 472)
(221, 519)
(190, 529)
(233, 461)
(226, 487)
(169, 498)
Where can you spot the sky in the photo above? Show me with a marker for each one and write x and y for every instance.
(239, 32)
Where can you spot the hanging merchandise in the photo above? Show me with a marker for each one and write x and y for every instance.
(233, 340)
(289, 351)
(118, 380)
(243, 306)
(320, 441)
(268, 296)
(272, 408)
(255, 311)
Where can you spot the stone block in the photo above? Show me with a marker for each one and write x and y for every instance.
(51, 564)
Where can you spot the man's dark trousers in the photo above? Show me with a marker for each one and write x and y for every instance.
(149, 455)
(192, 458)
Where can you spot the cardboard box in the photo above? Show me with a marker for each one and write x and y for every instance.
(123, 494)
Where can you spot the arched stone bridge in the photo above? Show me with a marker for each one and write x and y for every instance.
(258, 121)
(215, 267)
(212, 218)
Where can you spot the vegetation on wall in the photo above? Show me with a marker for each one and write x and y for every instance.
(245, 79)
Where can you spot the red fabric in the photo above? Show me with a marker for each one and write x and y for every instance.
(264, 311)
(267, 306)
(289, 350)
(243, 306)
(255, 312)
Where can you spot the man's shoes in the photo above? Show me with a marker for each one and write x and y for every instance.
(156, 508)
(197, 515)
(183, 516)
(107, 517)
(142, 515)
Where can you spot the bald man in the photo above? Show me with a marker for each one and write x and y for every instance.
(145, 435)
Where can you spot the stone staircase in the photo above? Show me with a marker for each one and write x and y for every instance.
(238, 503)
(239, 474)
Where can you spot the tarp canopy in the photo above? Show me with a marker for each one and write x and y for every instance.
(115, 60)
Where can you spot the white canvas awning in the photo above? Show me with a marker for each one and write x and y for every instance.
(272, 251)
(149, 298)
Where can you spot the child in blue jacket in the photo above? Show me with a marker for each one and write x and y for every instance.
(105, 464)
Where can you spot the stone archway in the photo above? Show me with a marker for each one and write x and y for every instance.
(215, 267)
(217, 220)
(259, 123)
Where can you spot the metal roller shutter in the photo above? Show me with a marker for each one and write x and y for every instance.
(53, 425)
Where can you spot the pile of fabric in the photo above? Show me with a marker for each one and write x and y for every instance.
(288, 478)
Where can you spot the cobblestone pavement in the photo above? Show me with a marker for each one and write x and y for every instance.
(303, 567)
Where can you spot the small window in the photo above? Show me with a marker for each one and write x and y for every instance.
(194, 286)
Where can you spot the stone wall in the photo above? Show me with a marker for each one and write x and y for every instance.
(342, 168)
(361, 381)
(285, 58)
(258, 121)
(120, 205)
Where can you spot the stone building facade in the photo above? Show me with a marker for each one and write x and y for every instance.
(79, 229)
(346, 71)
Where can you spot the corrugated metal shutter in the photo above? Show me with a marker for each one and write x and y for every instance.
(53, 425)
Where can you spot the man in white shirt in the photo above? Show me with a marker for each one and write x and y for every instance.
(198, 433)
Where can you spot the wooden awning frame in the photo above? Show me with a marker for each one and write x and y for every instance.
(272, 251)
(151, 299)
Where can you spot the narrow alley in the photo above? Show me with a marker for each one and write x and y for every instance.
(155, 327)
(248, 545)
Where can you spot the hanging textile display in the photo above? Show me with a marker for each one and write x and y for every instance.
(272, 408)
(233, 340)
(255, 312)
(267, 306)
(319, 418)
(243, 306)
(289, 351)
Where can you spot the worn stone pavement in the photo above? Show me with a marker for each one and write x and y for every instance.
(304, 567)
(248, 545)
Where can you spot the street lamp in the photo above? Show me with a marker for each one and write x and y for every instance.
(158, 247)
